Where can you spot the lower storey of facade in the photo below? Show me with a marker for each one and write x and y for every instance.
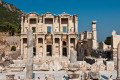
(49, 45)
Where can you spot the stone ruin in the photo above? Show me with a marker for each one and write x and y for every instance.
(41, 62)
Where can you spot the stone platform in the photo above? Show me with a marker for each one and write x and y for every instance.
(57, 74)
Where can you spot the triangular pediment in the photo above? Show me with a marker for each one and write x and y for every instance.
(64, 14)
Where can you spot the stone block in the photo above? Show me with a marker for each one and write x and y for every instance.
(73, 56)
(94, 67)
(110, 65)
(102, 67)
(94, 75)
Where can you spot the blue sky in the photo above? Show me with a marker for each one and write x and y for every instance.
(105, 12)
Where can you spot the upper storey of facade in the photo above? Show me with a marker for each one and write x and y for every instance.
(48, 23)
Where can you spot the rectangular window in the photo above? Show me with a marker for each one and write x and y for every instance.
(48, 20)
(64, 20)
(34, 29)
(48, 29)
(33, 21)
(64, 29)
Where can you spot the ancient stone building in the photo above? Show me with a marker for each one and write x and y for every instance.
(53, 35)
(87, 42)
(115, 39)
(89, 46)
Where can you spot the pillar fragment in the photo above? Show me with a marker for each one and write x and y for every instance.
(29, 64)
(118, 62)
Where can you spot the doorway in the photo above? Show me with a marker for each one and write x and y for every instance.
(34, 51)
(64, 51)
(49, 50)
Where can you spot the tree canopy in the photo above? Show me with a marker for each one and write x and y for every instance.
(108, 40)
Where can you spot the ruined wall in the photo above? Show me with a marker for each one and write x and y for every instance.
(115, 39)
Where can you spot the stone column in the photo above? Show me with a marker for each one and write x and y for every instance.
(118, 62)
(29, 23)
(53, 48)
(76, 24)
(53, 27)
(29, 64)
(68, 30)
(22, 27)
(94, 35)
(60, 51)
(73, 56)
(37, 52)
(75, 43)
(22, 52)
(44, 47)
(68, 48)
(60, 25)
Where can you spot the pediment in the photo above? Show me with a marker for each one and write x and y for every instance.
(64, 14)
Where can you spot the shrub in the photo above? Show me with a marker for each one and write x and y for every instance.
(13, 48)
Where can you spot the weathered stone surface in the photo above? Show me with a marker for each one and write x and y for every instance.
(1, 69)
(84, 76)
(45, 67)
(10, 77)
(118, 62)
(94, 75)
(29, 64)
(51, 66)
(73, 76)
(74, 66)
(48, 66)
(42, 41)
(49, 77)
(84, 65)
(17, 61)
(57, 66)
(73, 56)
(102, 67)
(110, 65)
(94, 67)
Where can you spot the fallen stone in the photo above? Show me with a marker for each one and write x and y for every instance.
(94, 75)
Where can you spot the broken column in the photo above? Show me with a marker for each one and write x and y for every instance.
(29, 64)
(118, 62)
(73, 56)
(94, 35)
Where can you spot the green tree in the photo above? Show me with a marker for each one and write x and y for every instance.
(108, 40)
(13, 48)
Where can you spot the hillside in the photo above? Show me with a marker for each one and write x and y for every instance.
(9, 15)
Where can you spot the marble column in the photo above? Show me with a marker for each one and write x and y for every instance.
(29, 64)
(53, 48)
(60, 50)
(37, 52)
(60, 25)
(22, 52)
(76, 24)
(118, 62)
(44, 47)
(68, 47)
(73, 56)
